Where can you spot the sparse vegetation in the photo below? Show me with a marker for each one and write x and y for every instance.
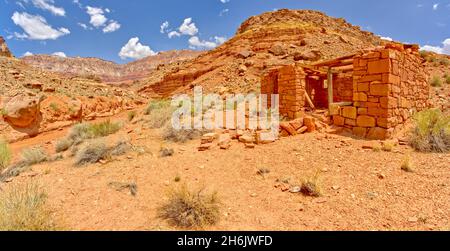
(431, 132)
(388, 146)
(407, 165)
(5, 155)
(155, 105)
(445, 62)
(190, 209)
(34, 155)
(436, 81)
(159, 112)
(447, 78)
(120, 148)
(131, 115)
(311, 186)
(54, 107)
(183, 135)
(91, 153)
(3, 112)
(103, 129)
(166, 152)
(119, 186)
(63, 145)
(23, 209)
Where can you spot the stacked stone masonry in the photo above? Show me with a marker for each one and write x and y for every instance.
(387, 85)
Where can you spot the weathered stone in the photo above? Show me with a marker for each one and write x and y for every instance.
(22, 111)
(365, 121)
(309, 122)
(247, 139)
(288, 128)
(349, 112)
(377, 133)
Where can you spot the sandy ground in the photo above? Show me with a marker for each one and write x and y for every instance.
(363, 189)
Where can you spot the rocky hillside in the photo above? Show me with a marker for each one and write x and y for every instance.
(33, 101)
(107, 71)
(261, 43)
(4, 51)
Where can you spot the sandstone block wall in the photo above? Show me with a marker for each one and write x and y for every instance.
(389, 84)
(289, 82)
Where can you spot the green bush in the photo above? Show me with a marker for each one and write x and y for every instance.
(23, 209)
(431, 132)
(447, 79)
(103, 129)
(445, 62)
(436, 81)
(155, 105)
(5, 155)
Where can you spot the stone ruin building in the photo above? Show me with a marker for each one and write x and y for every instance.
(372, 94)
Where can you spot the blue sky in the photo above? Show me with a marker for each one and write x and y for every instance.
(122, 31)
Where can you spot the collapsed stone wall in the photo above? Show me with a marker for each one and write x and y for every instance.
(389, 85)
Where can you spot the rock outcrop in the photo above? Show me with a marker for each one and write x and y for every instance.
(22, 111)
(263, 43)
(4, 51)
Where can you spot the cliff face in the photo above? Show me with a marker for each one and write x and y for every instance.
(260, 44)
(105, 70)
(4, 51)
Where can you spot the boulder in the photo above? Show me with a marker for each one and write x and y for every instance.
(22, 111)
(278, 50)
(307, 55)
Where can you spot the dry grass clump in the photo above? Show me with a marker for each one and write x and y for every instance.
(447, 78)
(190, 209)
(131, 115)
(34, 155)
(431, 132)
(103, 129)
(5, 155)
(183, 135)
(436, 81)
(311, 186)
(63, 145)
(388, 146)
(407, 165)
(91, 153)
(23, 209)
(159, 112)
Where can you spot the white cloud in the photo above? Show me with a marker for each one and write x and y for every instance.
(135, 50)
(188, 27)
(164, 27)
(223, 12)
(49, 5)
(173, 34)
(196, 43)
(445, 49)
(224, 1)
(84, 26)
(111, 27)
(387, 38)
(97, 17)
(36, 27)
(435, 6)
(27, 54)
(59, 54)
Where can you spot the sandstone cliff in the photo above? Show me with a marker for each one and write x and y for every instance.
(4, 51)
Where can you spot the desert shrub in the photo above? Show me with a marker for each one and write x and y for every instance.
(3, 112)
(447, 79)
(158, 118)
(431, 132)
(436, 81)
(22, 208)
(5, 155)
(91, 153)
(171, 134)
(34, 155)
(79, 132)
(445, 62)
(63, 145)
(407, 165)
(120, 148)
(155, 105)
(103, 129)
(131, 115)
(311, 186)
(388, 146)
(83, 131)
(166, 152)
(54, 107)
(190, 209)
